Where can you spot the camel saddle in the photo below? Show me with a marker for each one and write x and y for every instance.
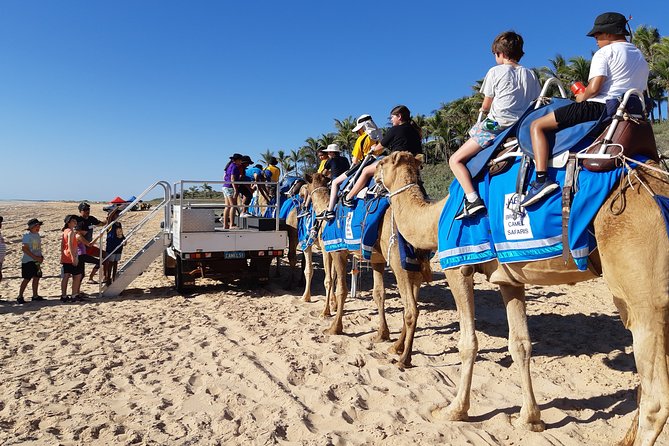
(631, 136)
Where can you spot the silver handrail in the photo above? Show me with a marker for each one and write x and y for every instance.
(167, 222)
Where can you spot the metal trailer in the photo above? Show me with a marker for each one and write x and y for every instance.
(194, 243)
(200, 247)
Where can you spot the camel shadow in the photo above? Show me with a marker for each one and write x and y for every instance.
(604, 407)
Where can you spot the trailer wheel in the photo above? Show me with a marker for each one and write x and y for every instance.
(260, 268)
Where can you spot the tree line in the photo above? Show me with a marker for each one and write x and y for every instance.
(445, 130)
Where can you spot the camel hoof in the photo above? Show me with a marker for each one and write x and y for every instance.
(333, 331)
(397, 349)
(306, 298)
(448, 414)
(381, 337)
(536, 426)
(325, 315)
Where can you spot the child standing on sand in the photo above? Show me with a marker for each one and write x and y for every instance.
(69, 259)
(32, 259)
(115, 238)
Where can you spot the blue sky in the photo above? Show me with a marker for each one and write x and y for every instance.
(102, 98)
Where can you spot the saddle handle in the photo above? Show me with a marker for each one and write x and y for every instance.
(619, 115)
(544, 89)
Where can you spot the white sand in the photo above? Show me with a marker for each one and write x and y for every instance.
(228, 366)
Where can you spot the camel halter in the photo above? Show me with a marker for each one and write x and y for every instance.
(318, 188)
(398, 191)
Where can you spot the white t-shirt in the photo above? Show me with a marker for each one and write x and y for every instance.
(624, 67)
(512, 88)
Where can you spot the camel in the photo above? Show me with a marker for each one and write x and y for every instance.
(408, 282)
(634, 265)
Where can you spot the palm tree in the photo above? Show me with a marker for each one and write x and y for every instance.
(294, 158)
(345, 136)
(326, 139)
(266, 156)
(647, 38)
(284, 162)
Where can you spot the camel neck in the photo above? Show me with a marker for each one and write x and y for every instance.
(417, 219)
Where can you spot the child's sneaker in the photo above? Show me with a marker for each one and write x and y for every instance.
(38, 298)
(538, 191)
(471, 208)
(20, 300)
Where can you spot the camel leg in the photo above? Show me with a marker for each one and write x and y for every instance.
(649, 332)
(379, 295)
(328, 282)
(292, 259)
(338, 269)
(408, 284)
(308, 273)
(462, 287)
(411, 285)
(520, 347)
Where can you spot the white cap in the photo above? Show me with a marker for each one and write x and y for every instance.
(360, 122)
(332, 148)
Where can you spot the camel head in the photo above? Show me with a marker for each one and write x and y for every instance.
(398, 169)
(316, 180)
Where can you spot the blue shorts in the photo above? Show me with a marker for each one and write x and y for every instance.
(116, 257)
(483, 136)
(229, 192)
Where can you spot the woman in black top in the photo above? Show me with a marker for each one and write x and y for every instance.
(404, 135)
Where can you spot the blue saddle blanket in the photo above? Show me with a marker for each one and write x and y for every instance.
(288, 205)
(304, 224)
(536, 234)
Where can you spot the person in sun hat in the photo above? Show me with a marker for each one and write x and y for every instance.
(245, 189)
(336, 164)
(616, 67)
(31, 262)
(230, 190)
(368, 135)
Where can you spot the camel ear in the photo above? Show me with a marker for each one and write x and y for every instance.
(420, 158)
(308, 177)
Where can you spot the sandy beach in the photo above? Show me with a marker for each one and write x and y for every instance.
(226, 365)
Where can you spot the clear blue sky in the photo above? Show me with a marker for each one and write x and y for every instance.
(102, 98)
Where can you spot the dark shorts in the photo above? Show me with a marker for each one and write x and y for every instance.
(578, 112)
(68, 268)
(30, 270)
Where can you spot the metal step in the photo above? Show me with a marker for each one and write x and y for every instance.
(136, 265)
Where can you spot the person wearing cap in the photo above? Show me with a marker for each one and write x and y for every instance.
(230, 189)
(3, 249)
(71, 265)
(31, 262)
(368, 135)
(92, 254)
(616, 67)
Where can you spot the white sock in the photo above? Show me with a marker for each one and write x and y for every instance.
(471, 197)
